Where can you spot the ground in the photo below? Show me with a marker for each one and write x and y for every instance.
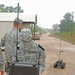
(52, 47)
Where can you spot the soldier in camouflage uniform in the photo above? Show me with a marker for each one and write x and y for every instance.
(1, 62)
(30, 52)
(9, 41)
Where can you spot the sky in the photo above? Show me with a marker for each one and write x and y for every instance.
(48, 12)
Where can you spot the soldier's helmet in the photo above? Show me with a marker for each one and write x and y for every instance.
(25, 35)
(18, 20)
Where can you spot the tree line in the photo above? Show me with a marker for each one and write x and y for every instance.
(10, 9)
(66, 26)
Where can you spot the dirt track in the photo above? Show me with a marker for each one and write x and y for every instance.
(52, 47)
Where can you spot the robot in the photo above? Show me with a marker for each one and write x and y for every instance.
(60, 63)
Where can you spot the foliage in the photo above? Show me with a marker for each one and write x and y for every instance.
(10, 9)
(67, 25)
(66, 28)
(56, 28)
(38, 29)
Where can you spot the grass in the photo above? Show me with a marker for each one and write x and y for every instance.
(66, 37)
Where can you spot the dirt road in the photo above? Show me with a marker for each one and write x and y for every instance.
(52, 46)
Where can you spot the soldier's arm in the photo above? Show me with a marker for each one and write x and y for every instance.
(2, 43)
(42, 58)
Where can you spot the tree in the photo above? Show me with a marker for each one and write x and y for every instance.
(63, 25)
(67, 24)
(68, 16)
(20, 10)
(10, 9)
(56, 28)
(2, 8)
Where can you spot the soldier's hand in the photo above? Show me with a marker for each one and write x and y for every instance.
(7, 65)
(44, 73)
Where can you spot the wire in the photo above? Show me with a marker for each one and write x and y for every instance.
(52, 46)
(66, 72)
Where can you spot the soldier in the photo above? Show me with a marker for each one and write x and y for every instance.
(9, 41)
(30, 52)
(1, 63)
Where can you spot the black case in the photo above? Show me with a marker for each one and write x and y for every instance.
(17, 68)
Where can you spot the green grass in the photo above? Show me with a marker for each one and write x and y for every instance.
(66, 37)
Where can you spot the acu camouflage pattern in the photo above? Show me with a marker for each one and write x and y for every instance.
(29, 52)
(9, 42)
(1, 61)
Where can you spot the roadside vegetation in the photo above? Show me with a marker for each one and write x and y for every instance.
(38, 29)
(65, 37)
(66, 29)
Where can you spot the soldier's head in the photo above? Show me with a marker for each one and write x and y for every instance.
(18, 23)
(25, 35)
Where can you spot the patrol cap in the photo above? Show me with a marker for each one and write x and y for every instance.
(26, 31)
(17, 20)
(25, 34)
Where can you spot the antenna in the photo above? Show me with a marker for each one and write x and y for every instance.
(17, 31)
(17, 21)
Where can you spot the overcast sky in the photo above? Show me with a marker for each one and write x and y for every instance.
(49, 12)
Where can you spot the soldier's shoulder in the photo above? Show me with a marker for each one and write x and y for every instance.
(8, 32)
(39, 46)
(42, 48)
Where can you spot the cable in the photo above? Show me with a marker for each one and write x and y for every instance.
(66, 72)
(52, 46)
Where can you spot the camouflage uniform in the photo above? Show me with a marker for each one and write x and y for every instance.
(29, 52)
(1, 61)
(9, 42)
